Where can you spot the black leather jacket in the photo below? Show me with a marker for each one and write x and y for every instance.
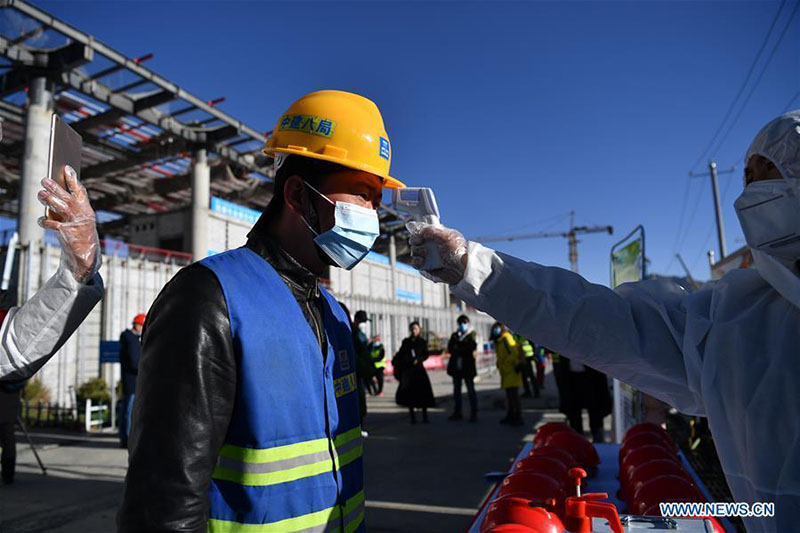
(185, 393)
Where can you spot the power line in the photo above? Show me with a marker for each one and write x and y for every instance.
(679, 240)
(553, 219)
(760, 75)
(790, 102)
(741, 89)
(688, 228)
(680, 224)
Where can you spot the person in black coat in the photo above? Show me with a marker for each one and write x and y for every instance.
(461, 367)
(9, 410)
(581, 387)
(414, 389)
(130, 348)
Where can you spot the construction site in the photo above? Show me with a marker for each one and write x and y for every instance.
(597, 394)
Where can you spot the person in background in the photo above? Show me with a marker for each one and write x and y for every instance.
(130, 348)
(414, 389)
(510, 363)
(9, 410)
(581, 387)
(378, 354)
(559, 375)
(540, 360)
(362, 397)
(529, 382)
(33, 332)
(461, 367)
(365, 368)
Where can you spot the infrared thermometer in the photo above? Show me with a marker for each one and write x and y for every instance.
(419, 203)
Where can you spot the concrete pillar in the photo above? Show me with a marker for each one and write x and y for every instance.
(201, 193)
(393, 263)
(34, 161)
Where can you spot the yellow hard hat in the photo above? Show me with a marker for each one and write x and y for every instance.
(335, 126)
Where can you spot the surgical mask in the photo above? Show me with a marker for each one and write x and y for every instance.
(769, 213)
(463, 327)
(495, 332)
(362, 327)
(353, 233)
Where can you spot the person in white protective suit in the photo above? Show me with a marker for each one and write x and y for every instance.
(32, 333)
(729, 352)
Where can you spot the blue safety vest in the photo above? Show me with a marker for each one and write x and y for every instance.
(292, 455)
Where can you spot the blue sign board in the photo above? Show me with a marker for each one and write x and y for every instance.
(408, 295)
(232, 210)
(109, 352)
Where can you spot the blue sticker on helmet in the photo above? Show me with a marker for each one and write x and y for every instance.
(385, 150)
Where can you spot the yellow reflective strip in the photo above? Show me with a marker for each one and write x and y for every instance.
(352, 526)
(347, 458)
(354, 502)
(297, 523)
(347, 436)
(278, 453)
(272, 478)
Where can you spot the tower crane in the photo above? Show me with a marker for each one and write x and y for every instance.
(571, 235)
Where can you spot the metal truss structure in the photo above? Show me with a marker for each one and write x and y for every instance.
(140, 130)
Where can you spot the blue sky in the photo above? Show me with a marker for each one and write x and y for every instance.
(514, 113)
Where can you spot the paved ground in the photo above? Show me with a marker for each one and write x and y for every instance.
(423, 477)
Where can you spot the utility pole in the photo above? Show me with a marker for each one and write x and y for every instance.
(712, 169)
(711, 261)
(712, 172)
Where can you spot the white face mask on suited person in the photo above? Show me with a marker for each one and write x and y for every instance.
(769, 207)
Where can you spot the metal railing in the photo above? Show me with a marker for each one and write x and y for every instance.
(89, 420)
(53, 415)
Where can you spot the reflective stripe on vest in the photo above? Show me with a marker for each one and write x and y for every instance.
(270, 466)
(527, 349)
(325, 520)
(378, 363)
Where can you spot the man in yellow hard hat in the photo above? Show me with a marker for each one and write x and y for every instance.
(246, 415)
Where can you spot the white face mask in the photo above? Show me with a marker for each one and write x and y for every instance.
(769, 213)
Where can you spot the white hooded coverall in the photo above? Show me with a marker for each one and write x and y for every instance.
(729, 352)
(31, 334)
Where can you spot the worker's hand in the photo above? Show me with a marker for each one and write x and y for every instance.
(452, 248)
(77, 227)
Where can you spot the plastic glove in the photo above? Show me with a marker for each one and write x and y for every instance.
(452, 248)
(76, 228)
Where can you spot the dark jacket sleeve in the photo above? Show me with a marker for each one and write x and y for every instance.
(134, 352)
(124, 359)
(129, 352)
(401, 358)
(422, 350)
(473, 344)
(184, 398)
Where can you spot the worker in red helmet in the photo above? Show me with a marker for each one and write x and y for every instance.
(130, 348)
(33, 332)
